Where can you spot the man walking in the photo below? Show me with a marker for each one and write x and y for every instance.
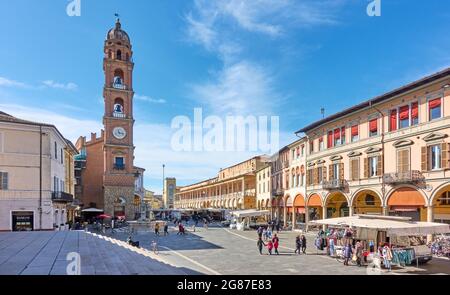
(276, 242)
(303, 239)
(260, 245)
(166, 229)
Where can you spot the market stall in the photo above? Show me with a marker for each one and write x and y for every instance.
(406, 238)
(245, 219)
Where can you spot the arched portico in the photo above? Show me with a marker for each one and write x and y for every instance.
(367, 202)
(407, 201)
(336, 204)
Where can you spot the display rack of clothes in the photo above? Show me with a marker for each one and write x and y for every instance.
(403, 256)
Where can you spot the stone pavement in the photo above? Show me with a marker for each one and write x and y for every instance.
(44, 253)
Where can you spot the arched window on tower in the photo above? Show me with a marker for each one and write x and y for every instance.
(109, 54)
(118, 81)
(127, 57)
(118, 111)
(119, 55)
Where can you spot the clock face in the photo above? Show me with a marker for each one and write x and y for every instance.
(119, 133)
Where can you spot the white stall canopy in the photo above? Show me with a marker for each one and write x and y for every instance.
(393, 226)
(249, 213)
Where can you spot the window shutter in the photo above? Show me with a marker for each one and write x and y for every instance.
(330, 168)
(324, 173)
(424, 158)
(341, 171)
(379, 165)
(316, 175)
(444, 155)
(366, 167)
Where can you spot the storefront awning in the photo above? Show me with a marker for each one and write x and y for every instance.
(315, 201)
(393, 226)
(92, 210)
(406, 196)
(404, 208)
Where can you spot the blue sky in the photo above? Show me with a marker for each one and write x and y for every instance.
(262, 57)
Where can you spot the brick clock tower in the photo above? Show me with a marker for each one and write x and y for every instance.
(118, 148)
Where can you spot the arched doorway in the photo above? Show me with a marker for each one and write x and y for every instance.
(407, 202)
(337, 205)
(441, 205)
(315, 207)
(298, 211)
(367, 202)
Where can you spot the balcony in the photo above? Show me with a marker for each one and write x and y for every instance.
(62, 197)
(119, 166)
(119, 115)
(335, 184)
(412, 176)
(278, 192)
(119, 86)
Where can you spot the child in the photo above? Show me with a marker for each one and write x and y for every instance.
(155, 247)
(270, 247)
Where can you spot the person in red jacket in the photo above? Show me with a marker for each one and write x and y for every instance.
(276, 242)
(270, 247)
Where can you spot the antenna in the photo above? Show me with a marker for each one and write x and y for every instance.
(322, 111)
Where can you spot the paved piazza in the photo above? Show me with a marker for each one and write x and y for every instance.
(213, 251)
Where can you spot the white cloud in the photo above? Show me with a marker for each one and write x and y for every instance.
(71, 128)
(242, 88)
(12, 83)
(149, 99)
(56, 85)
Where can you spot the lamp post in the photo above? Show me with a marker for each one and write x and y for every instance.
(163, 190)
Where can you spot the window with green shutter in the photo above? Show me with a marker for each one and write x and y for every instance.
(3, 180)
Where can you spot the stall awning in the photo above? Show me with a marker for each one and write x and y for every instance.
(249, 213)
(393, 226)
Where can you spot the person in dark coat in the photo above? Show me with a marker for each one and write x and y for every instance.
(298, 245)
(260, 245)
(303, 239)
(348, 251)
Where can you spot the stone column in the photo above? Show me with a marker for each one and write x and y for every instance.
(324, 215)
(294, 215)
(430, 218)
(306, 218)
(285, 213)
(350, 209)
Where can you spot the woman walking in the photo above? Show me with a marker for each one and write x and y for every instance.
(348, 251)
(260, 245)
(276, 242)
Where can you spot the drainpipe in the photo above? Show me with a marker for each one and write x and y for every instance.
(40, 177)
(383, 185)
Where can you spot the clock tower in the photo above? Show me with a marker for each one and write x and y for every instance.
(118, 148)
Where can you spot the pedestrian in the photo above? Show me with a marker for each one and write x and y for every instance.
(155, 247)
(270, 246)
(264, 234)
(387, 257)
(157, 229)
(303, 239)
(276, 242)
(331, 244)
(260, 232)
(359, 253)
(298, 245)
(348, 251)
(193, 227)
(260, 245)
(166, 229)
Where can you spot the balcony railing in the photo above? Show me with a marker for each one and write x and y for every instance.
(334, 184)
(412, 176)
(62, 196)
(119, 86)
(119, 115)
(119, 166)
(278, 192)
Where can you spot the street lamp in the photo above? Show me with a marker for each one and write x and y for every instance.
(163, 166)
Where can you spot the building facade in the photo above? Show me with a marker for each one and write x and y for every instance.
(107, 177)
(388, 155)
(279, 167)
(169, 190)
(234, 188)
(36, 185)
